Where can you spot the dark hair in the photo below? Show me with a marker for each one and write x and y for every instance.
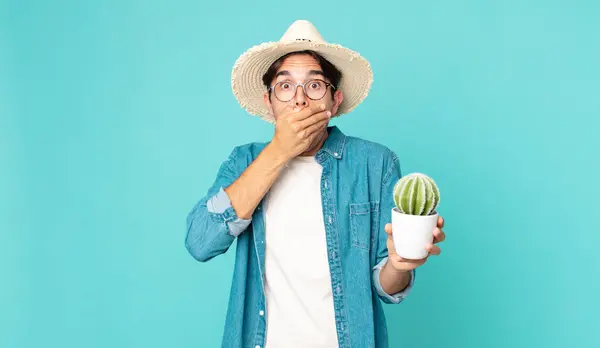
(329, 70)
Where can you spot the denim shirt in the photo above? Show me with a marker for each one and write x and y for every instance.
(356, 193)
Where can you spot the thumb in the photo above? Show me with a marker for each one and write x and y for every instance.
(388, 229)
(390, 245)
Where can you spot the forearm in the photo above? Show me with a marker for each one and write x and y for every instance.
(249, 189)
(393, 281)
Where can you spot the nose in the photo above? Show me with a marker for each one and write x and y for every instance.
(300, 98)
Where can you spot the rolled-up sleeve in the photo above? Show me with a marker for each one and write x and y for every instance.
(220, 205)
(390, 298)
(212, 224)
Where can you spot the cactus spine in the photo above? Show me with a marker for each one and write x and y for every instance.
(416, 194)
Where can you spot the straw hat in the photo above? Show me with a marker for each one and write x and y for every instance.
(246, 77)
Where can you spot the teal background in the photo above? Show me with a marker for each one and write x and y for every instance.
(115, 115)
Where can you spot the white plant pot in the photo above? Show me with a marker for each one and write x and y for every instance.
(412, 233)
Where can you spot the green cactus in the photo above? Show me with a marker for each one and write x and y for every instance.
(416, 194)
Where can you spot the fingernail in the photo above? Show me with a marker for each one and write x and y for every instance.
(329, 113)
(322, 107)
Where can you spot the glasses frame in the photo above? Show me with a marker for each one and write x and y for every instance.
(327, 85)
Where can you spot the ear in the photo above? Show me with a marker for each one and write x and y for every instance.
(268, 102)
(338, 97)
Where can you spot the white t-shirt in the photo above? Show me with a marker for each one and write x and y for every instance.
(300, 310)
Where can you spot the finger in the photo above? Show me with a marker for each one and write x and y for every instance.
(390, 246)
(433, 249)
(438, 235)
(309, 121)
(307, 132)
(440, 222)
(413, 263)
(307, 112)
(388, 229)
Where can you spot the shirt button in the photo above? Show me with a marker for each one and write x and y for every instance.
(335, 154)
(257, 346)
(338, 290)
(325, 184)
(330, 219)
(333, 254)
(261, 313)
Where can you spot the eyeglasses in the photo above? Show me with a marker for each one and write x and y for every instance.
(313, 89)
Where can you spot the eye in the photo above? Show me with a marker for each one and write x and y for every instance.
(315, 85)
(285, 85)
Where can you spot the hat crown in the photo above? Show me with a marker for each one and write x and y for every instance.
(302, 30)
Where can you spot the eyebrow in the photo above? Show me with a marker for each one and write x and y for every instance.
(283, 73)
(287, 73)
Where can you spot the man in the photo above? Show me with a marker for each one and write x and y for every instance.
(309, 210)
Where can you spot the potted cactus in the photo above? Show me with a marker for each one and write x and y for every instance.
(414, 217)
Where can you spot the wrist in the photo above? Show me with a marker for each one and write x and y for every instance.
(399, 273)
(393, 280)
(277, 154)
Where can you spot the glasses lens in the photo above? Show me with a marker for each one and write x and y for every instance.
(285, 91)
(315, 89)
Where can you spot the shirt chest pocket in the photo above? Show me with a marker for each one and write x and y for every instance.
(364, 221)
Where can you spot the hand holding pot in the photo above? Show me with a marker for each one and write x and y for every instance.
(402, 264)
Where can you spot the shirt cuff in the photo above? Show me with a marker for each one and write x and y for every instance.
(391, 298)
(220, 204)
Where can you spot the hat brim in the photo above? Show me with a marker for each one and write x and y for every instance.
(248, 87)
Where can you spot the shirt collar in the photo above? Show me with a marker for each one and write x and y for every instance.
(335, 142)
